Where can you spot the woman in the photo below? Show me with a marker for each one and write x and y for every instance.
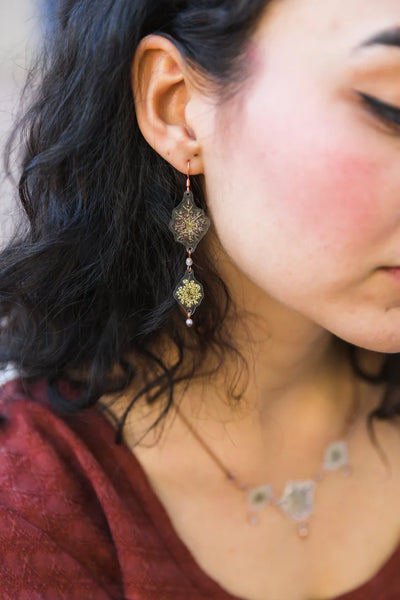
(204, 306)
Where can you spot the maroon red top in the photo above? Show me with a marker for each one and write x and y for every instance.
(79, 520)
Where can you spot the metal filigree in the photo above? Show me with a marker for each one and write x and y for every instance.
(189, 224)
(298, 499)
(189, 293)
(336, 456)
(259, 497)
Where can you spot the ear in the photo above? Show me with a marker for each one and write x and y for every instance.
(162, 91)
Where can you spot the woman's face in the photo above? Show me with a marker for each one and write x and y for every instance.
(302, 179)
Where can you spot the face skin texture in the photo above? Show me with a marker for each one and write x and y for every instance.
(303, 189)
(303, 184)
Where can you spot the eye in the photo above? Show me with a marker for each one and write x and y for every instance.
(387, 113)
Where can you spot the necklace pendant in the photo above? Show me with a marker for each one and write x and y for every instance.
(337, 456)
(297, 500)
(259, 497)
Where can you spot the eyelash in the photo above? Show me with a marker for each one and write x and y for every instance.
(385, 112)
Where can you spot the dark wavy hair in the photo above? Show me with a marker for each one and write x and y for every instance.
(86, 282)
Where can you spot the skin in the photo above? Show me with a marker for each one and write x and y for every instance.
(303, 189)
(319, 177)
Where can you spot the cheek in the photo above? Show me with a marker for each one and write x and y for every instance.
(316, 184)
(332, 195)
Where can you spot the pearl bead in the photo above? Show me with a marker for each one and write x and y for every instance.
(189, 262)
(189, 322)
(303, 530)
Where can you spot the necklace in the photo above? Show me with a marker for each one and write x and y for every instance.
(297, 500)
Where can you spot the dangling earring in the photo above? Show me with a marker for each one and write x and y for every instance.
(189, 224)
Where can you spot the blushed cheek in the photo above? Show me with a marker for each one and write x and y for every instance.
(330, 192)
(340, 194)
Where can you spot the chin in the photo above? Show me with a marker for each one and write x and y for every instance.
(382, 344)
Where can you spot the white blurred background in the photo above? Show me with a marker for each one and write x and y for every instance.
(20, 31)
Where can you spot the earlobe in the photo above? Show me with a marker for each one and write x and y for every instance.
(161, 90)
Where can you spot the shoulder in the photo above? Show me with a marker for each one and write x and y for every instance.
(52, 529)
(35, 440)
(46, 458)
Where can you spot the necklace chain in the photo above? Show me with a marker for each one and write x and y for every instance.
(297, 500)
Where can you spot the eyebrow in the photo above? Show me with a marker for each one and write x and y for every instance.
(390, 37)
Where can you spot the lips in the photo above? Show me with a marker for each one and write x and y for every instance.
(393, 271)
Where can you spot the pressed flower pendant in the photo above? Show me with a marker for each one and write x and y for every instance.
(189, 224)
(189, 293)
(297, 500)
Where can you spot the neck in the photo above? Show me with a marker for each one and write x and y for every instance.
(299, 391)
(299, 378)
